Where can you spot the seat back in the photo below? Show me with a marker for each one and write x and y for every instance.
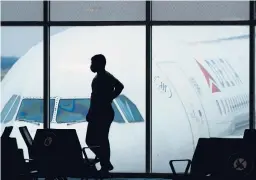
(221, 157)
(7, 132)
(57, 151)
(250, 135)
(12, 159)
(26, 136)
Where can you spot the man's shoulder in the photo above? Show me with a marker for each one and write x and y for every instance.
(108, 74)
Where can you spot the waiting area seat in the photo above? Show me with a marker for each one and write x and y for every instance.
(57, 153)
(13, 165)
(221, 158)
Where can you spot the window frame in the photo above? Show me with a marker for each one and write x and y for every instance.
(148, 23)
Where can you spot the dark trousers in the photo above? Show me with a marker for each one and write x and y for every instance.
(97, 135)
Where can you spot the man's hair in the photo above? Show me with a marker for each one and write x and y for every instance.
(99, 58)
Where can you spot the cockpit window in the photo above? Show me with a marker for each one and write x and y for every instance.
(129, 109)
(10, 109)
(72, 110)
(75, 110)
(32, 110)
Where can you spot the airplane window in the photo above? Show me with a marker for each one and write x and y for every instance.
(241, 101)
(9, 109)
(235, 102)
(230, 104)
(219, 106)
(238, 102)
(75, 110)
(227, 106)
(31, 110)
(223, 106)
(129, 109)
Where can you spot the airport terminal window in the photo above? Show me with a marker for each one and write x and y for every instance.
(129, 109)
(9, 109)
(75, 110)
(74, 98)
(31, 110)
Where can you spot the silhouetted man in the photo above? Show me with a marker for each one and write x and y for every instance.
(105, 88)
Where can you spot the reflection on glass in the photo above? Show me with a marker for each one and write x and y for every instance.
(216, 61)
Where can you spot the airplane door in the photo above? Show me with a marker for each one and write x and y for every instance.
(191, 103)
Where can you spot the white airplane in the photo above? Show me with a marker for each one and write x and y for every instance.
(198, 90)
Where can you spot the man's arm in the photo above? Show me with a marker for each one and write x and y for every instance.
(118, 88)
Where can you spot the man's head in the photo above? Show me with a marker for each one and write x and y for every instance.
(98, 63)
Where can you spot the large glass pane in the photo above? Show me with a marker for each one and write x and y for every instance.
(200, 10)
(22, 10)
(98, 10)
(71, 79)
(200, 75)
(22, 81)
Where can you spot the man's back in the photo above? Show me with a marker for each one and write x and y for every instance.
(102, 89)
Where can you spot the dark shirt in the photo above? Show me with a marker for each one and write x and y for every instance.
(102, 94)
